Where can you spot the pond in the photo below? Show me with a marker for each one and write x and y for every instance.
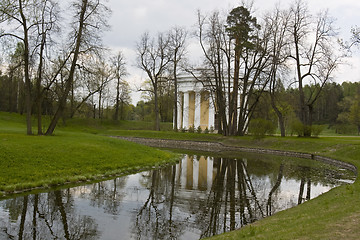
(203, 195)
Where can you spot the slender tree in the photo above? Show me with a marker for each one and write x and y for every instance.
(276, 24)
(241, 27)
(314, 55)
(119, 71)
(47, 23)
(18, 14)
(177, 45)
(153, 56)
(215, 76)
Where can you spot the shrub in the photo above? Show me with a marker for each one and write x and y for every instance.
(296, 127)
(345, 129)
(199, 130)
(206, 131)
(260, 127)
(316, 130)
(212, 130)
(191, 129)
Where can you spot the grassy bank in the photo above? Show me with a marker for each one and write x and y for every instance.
(69, 156)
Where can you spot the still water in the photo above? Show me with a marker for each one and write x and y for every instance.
(200, 196)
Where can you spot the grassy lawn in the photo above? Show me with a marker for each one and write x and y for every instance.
(69, 156)
(81, 150)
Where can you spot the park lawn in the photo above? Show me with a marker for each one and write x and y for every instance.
(28, 162)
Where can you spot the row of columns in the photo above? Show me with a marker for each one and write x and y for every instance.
(192, 116)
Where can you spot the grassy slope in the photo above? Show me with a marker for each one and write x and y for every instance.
(334, 215)
(69, 156)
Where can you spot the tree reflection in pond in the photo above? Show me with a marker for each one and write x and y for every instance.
(46, 216)
(199, 197)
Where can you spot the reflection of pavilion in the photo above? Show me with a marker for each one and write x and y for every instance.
(196, 172)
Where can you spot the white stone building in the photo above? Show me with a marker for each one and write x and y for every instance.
(195, 105)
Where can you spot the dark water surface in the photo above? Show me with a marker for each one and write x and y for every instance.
(198, 197)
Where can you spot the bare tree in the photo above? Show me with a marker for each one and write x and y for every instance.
(19, 16)
(47, 23)
(153, 57)
(119, 71)
(89, 22)
(178, 48)
(314, 54)
(276, 23)
(215, 76)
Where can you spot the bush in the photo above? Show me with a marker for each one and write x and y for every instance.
(260, 127)
(191, 129)
(199, 130)
(316, 130)
(345, 129)
(206, 131)
(212, 130)
(297, 127)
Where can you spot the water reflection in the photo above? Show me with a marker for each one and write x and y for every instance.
(199, 197)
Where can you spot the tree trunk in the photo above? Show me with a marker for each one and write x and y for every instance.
(175, 98)
(116, 115)
(234, 104)
(26, 56)
(279, 115)
(100, 98)
(157, 119)
(38, 86)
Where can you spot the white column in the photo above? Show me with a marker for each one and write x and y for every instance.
(179, 109)
(195, 173)
(210, 168)
(197, 110)
(238, 109)
(227, 106)
(211, 113)
(183, 171)
(186, 111)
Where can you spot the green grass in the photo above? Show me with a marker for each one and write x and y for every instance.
(70, 156)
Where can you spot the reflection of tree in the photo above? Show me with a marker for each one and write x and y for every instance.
(229, 204)
(274, 188)
(108, 195)
(155, 219)
(49, 216)
(304, 178)
(23, 216)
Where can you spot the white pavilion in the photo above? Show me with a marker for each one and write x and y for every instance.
(195, 105)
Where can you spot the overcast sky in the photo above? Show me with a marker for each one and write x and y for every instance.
(130, 19)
